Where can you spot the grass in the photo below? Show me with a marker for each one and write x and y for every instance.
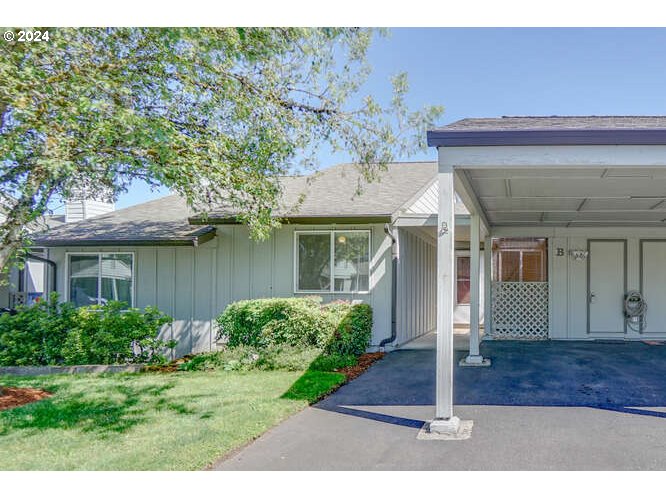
(150, 421)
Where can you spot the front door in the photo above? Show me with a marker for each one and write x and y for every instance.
(607, 277)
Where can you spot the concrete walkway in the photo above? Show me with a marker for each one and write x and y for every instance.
(542, 405)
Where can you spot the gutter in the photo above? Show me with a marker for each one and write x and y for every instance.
(388, 229)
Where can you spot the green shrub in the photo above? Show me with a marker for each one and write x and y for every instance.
(274, 321)
(51, 333)
(246, 358)
(338, 328)
(34, 336)
(274, 358)
(353, 330)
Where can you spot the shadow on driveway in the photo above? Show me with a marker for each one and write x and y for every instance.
(628, 377)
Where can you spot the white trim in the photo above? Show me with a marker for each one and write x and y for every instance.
(603, 156)
(331, 289)
(412, 220)
(99, 254)
(469, 197)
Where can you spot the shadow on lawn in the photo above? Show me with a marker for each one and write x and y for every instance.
(321, 377)
(313, 385)
(103, 408)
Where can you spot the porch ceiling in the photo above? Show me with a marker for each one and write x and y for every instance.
(585, 196)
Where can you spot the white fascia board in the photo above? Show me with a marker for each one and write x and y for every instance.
(427, 220)
(555, 156)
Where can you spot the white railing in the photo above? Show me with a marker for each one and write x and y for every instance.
(520, 310)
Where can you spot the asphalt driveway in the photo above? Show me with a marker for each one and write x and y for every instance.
(542, 405)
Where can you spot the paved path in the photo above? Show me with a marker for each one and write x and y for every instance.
(551, 405)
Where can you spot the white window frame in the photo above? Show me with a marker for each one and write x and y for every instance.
(99, 254)
(331, 289)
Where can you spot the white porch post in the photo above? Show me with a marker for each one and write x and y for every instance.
(445, 421)
(487, 285)
(474, 358)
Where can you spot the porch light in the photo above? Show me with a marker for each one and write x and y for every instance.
(342, 239)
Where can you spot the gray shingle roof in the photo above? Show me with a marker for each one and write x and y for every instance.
(329, 193)
(551, 130)
(163, 220)
(508, 123)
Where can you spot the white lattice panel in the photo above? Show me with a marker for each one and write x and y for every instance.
(520, 310)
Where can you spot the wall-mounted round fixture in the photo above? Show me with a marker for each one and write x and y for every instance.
(578, 254)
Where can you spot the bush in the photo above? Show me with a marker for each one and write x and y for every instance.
(246, 358)
(353, 329)
(34, 336)
(274, 321)
(52, 333)
(276, 358)
(337, 328)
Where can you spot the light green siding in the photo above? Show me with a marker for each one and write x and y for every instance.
(417, 292)
(195, 284)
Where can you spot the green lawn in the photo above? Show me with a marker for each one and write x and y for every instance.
(152, 421)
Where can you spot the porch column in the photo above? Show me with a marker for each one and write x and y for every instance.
(445, 421)
(474, 358)
(487, 285)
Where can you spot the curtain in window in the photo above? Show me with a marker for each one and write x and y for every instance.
(520, 260)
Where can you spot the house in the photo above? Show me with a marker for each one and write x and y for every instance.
(575, 210)
(32, 282)
(377, 246)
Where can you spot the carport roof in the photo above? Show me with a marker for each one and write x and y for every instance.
(551, 130)
(612, 184)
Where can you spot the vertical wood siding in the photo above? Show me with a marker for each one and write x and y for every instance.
(417, 268)
(568, 277)
(194, 285)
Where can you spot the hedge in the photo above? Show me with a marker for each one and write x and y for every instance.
(54, 333)
(336, 328)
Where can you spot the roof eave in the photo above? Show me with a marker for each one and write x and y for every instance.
(195, 239)
(303, 219)
(464, 138)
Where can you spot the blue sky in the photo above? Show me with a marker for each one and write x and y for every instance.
(489, 72)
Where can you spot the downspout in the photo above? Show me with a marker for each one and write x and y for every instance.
(394, 288)
(53, 265)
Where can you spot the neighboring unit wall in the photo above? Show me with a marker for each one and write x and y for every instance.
(195, 284)
(86, 208)
(417, 290)
(8, 285)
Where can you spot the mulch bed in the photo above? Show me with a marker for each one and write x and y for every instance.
(364, 362)
(15, 397)
(171, 367)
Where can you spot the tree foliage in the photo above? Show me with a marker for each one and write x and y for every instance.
(216, 115)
